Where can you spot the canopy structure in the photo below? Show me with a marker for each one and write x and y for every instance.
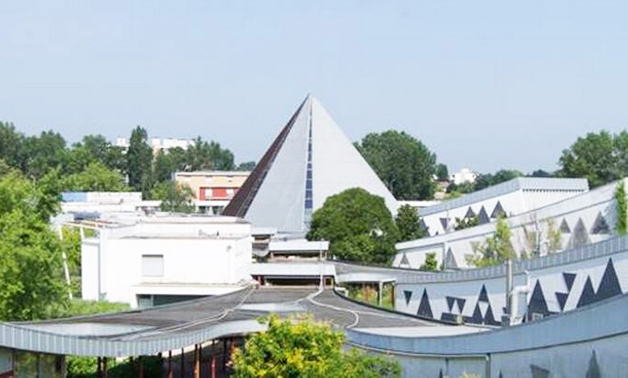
(310, 160)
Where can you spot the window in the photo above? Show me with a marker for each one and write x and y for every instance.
(152, 265)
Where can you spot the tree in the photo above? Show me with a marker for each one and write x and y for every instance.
(358, 226)
(503, 175)
(541, 173)
(299, 347)
(246, 166)
(467, 222)
(10, 144)
(409, 224)
(442, 173)
(139, 161)
(174, 198)
(402, 162)
(495, 249)
(431, 264)
(554, 237)
(31, 272)
(622, 209)
(96, 178)
(599, 157)
(209, 156)
(40, 154)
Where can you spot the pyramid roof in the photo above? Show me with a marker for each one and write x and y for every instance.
(310, 160)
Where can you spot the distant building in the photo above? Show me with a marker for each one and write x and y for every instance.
(82, 205)
(148, 261)
(158, 144)
(463, 176)
(213, 190)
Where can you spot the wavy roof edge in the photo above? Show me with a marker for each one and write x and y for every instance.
(519, 183)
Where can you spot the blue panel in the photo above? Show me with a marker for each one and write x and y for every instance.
(74, 197)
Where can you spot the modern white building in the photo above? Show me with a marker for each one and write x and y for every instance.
(582, 219)
(158, 144)
(92, 204)
(463, 176)
(509, 198)
(310, 160)
(152, 260)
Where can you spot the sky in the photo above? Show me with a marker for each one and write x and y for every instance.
(484, 84)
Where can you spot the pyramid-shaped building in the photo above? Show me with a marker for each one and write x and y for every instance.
(310, 160)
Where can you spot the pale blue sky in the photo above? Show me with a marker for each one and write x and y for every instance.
(485, 84)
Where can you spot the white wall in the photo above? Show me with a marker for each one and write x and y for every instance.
(585, 206)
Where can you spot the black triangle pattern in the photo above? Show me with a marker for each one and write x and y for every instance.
(470, 213)
(562, 299)
(498, 210)
(600, 226)
(609, 285)
(483, 216)
(489, 319)
(569, 279)
(579, 237)
(564, 227)
(483, 295)
(539, 372)
(404, 260)
(425, 309)
(444, 222)
(461, 302)
(450, 260)
(450, 303)
(423, 225)
(588, 294)
(408, 295)
(594, 368)
(537, 303)
(476, 318)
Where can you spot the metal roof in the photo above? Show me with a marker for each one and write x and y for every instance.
(519, 183)
(148, 332)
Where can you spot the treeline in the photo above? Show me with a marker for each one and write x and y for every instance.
(95, 164)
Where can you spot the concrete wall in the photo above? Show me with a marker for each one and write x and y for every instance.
(588, 342)
(576, 217)
(557, 283)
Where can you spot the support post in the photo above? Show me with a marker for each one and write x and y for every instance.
(380, 294)
(197, 361)
(213, 366)
(169, 364)
(182, 362)
(140, 373)
(104, 367)
(99, 367)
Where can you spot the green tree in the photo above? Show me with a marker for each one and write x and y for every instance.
(31, 272)
(203, 155)
(10, 144)
(599, 157)
(622, 209)
(174, 198)
(402, 162)
(442, 173)
(488, 179)
(495, 249)
(95, 178)
(431, 264)
(246, 166)
(169, 162)
(409, 223)
(299, 347)
(467, 222)
(39, 154)
(554, 237)
(358, 226)
(139, 161)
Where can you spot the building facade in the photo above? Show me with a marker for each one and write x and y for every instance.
(213, 190)
(146, 261)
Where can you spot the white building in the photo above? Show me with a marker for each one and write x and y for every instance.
(158, 143)
(155, 260)
(509, 198)
(582, 219)
(93, 204)
(463, 176)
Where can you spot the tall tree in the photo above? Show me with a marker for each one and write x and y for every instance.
(495, 249)
(402, 162)
(409, 223)
(246, 166)
(10, 144)
(599, 157)
(488, 179)
(203, 155)
(302, 348)
(39, 154)
(31, 274)
(175, 198)
(358, 226)
(95, 178)
(139, 161)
